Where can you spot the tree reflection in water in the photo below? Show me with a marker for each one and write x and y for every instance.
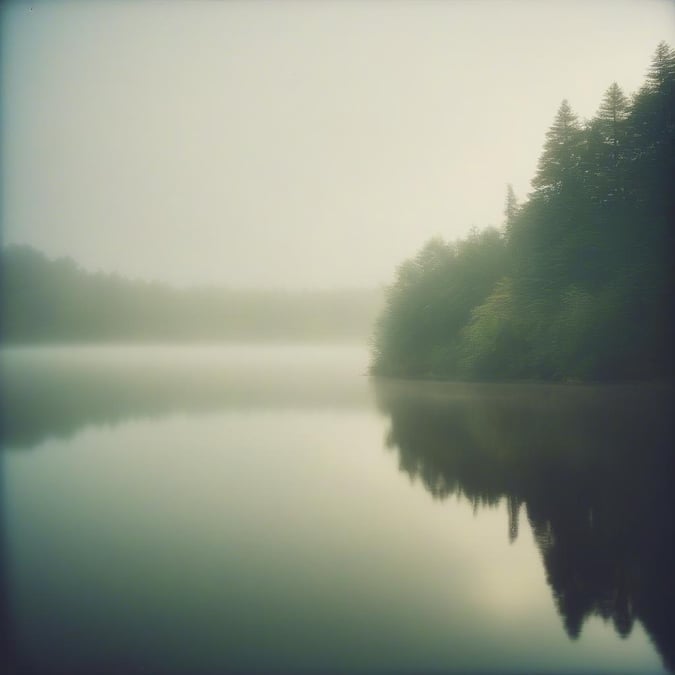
(593, 467)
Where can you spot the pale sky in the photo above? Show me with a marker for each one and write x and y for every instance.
(290, 144)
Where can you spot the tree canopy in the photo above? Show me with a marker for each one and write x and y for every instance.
(577, 284)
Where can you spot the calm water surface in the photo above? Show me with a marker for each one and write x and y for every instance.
(272, 509)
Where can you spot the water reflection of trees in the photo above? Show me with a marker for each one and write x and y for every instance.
(593, 467)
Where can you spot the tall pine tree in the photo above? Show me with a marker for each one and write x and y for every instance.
(612, 115)
(560, 160)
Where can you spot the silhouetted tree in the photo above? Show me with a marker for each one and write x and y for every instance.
(612, 115)
(560, 159)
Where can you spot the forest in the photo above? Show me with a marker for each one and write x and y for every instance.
(576, 285)
(47, 301)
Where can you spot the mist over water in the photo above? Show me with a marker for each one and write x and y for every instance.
(240, 509)
(250, 422)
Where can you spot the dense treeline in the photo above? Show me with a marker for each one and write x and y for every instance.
(46, 300)
(577, 284)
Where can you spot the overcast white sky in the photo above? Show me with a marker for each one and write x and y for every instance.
(295, 144)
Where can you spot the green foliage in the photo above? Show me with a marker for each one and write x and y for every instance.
(491, 343)
(426, 309)
(579, 286)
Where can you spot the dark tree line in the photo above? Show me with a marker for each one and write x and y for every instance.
(43, 300)
(578, 282)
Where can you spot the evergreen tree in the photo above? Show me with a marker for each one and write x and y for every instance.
(612, 115)
(510, 206)
(585, 285)
(560, 160)
(652, 120)
(661, 73)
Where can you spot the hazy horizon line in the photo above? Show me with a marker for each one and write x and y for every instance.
(204, 286)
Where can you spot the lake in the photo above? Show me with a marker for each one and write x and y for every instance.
(215, 509)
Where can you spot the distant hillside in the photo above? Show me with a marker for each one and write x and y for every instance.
(46, 300)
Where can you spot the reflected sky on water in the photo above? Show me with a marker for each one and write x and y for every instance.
(204, 510)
